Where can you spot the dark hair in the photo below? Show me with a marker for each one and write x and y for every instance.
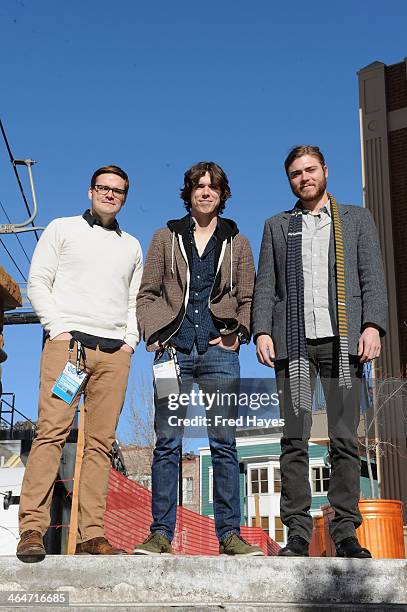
(301, 150)
(219, 180)
(110, 170)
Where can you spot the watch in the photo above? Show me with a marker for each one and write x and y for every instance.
(241, 336)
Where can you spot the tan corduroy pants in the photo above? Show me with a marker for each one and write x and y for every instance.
(103, 400)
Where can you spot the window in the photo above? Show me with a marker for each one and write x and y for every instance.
(320, 479)
(187, 490)
(210, 485)
(277, 480)
(259, 480)
(278, 529)
(264, 522)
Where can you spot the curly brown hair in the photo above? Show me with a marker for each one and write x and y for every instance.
(219, 180)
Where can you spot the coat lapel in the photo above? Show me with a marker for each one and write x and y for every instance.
(285, 220)
(343, 212)
(180, 259)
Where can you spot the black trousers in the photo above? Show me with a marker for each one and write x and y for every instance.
(343, 411)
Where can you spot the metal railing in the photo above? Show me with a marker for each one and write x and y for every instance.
(7, 407)
(24, 314)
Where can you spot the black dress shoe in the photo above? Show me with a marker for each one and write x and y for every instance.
(296, 547)
(350, 548)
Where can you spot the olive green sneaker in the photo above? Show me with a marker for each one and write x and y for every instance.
(155, 544)
(236, 545)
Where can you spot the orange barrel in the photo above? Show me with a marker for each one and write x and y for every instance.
(381, 531)
(317, 544)
(382, 528)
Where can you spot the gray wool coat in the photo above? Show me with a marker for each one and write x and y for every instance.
(366, 297)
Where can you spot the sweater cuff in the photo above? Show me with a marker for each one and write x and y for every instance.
(260, 333)
(132, 340)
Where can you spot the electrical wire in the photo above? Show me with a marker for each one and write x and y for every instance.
(12, 259)
(16, 173)
(16, 235)
(9, 530)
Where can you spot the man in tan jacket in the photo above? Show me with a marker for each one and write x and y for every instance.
(194, 306)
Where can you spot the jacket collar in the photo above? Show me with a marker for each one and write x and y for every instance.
(285, 217)
(226, 228)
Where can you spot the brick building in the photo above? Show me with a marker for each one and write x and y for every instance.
(383, 120)
(191, 482)
(138, 460)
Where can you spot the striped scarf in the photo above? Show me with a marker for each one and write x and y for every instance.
(300, 383)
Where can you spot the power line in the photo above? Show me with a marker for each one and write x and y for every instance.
(12, 259)
(16, 235)
(16, 173)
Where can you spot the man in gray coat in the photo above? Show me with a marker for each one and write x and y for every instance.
(319, 307)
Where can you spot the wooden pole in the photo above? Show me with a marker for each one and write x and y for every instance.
(376, 432)
(73, 523)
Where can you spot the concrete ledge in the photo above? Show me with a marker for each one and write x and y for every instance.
(214, 582)
(254, 607)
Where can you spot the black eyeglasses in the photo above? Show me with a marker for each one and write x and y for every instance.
(104, 190)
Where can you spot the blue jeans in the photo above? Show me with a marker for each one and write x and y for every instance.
(216, 366)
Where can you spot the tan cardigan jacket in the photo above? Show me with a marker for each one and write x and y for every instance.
(164, 289)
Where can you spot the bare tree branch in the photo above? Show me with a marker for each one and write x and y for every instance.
(140, 441)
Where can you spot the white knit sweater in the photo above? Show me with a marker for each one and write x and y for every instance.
(86, 279)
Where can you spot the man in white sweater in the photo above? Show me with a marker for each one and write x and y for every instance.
(83, 282)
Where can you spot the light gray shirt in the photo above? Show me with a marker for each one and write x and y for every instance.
(316, 233)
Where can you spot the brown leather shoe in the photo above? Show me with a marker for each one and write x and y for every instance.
(30, 548)
(97, 546)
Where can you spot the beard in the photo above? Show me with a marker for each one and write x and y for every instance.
(310, 195)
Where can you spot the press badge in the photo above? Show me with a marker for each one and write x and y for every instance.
(167, 376)
(72, 378)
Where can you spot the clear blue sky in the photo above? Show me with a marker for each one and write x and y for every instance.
(155, 87)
